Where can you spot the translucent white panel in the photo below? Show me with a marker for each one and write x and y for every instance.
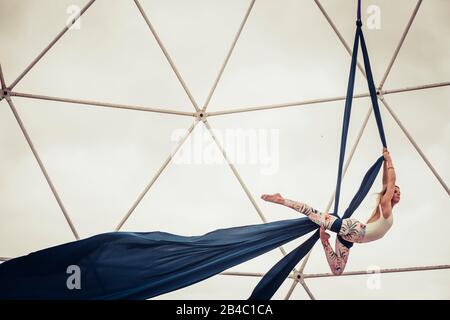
(425, 115)
(301, 156)
(100, 159)
(118, 60)
(272, 62)
(424, 55)
(27, 28)
(30, 216)
(199, 38)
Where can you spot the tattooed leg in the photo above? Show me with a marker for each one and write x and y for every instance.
(351, 229)
(321, 219)
(336, 260)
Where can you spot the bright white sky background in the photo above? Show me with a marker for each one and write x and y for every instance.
(100, 159)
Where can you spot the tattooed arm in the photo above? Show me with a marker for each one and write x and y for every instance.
(385, 170)
(390, 184)
(336, 260)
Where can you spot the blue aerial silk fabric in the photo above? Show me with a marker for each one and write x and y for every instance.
(126, 265)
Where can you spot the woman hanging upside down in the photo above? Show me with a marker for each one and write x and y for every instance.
(351, 229)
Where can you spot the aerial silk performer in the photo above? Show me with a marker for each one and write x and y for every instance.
(142, 265)
(351, 229)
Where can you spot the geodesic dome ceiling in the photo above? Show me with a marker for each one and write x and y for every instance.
(96, 115)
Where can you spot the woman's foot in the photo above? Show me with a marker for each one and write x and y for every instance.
(276, 198)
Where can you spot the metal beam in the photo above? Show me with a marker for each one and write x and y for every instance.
(291, 289)
(229, 110)
(2, 79)
(248, 274)
(366, 272)
(225, 111)
(101, 104)
(283, 105)
(415, 88)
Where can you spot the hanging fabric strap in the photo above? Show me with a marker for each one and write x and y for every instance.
(359, 11)
(346, 120)
(272, 280)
